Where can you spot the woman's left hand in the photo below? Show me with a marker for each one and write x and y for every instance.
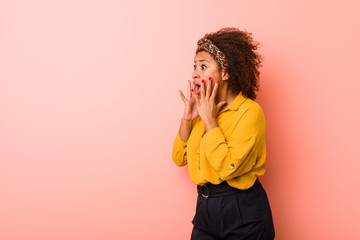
(206, 106)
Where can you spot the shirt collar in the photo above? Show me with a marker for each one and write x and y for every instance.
(240, 99)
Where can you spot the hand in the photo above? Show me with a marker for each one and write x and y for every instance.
(190, 111)
(206, 106)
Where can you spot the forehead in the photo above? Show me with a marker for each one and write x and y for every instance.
(203, 55)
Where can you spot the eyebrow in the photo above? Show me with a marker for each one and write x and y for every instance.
(203, 60)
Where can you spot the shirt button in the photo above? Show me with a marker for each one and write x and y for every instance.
(232, 166)
(197, 151)
(185, 147)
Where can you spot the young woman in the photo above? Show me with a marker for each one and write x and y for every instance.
(222, 139)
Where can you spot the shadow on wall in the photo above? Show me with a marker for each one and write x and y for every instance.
(279, 142)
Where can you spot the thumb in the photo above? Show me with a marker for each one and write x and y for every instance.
(220, 104)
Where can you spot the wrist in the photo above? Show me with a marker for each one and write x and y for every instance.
(210, 124)
(186, 119)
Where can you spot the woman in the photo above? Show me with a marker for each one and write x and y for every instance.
(222, 139)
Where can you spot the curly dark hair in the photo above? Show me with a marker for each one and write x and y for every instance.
(243, 62)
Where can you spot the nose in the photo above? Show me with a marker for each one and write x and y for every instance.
(195, 74)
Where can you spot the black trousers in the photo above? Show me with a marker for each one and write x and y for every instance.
(223, 212)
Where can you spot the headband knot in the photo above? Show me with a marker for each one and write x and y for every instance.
(208, 46)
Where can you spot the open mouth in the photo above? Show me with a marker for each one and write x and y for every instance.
(197, 89)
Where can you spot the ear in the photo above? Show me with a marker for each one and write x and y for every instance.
(224, 75)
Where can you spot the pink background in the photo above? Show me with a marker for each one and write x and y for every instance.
(89, 110)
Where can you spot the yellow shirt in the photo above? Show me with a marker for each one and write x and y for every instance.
(234, 151)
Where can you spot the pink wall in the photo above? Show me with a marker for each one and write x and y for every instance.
(89, 109)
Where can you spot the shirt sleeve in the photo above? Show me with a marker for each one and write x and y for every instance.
(236, 155)
(179, 154)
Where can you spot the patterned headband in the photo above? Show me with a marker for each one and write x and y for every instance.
(207, 45)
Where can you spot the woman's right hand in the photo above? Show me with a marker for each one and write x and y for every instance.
(190, 111)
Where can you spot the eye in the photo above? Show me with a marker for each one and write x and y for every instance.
(194, 67)
(203, 67)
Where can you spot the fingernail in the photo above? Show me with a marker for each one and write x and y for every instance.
(226, 103)
(217, 82)
(209, 78)
(192, 90)
(202, 81)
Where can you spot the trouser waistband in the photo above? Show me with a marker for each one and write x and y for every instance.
(219, 190)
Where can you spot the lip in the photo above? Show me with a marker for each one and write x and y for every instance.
(197, 83)
(197, 88)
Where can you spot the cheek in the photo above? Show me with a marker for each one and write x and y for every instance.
(214, 74)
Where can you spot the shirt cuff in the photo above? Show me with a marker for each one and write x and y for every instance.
(214, 135)
(179, 143)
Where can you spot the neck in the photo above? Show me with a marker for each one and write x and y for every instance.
(225, 94)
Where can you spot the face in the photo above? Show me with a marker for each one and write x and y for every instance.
(206, 66)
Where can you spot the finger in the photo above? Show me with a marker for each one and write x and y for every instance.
(182, 96)
(208, 88)
(192, 89)
(202, 91)
(220, 104)
(214, 91)
(189, 88)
